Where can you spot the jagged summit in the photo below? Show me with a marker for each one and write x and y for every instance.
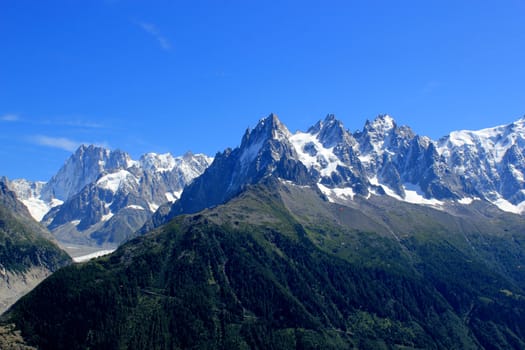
(383, 159)
(383, 121)
(266, 129)
(331, 132)
(377, 134)
(157, 162)
(491, 160)
(328, 151)
(104, 196)
(264, 151)
(82, 168)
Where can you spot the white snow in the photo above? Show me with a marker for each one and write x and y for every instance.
(383, 123)
(478, 155)
(153, 207)
(466, 200)
(37, 207)
(374, 181)
(94, 255)
(28, 192)
(324, 159)
(134, 206)
(494, 141)
(114, 180)
(344, 192)
(189, 166)
(380, 133)
(25, 189)
(507, 206)
(518, 175)
(173, 196)
(291, 183)
(158, 162)
(413, 194)
(107, 217)
(341, 193)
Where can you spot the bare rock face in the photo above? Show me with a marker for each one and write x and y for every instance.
(28, 252)
(101, 197)
(14, 285)
(381, 159)
(82, 168)
(264, 151)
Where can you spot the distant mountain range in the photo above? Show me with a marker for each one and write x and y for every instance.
(383, 159)
(325, 239)
(102, 197)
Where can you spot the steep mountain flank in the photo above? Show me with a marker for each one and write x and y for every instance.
(279, 266)
(27, 251)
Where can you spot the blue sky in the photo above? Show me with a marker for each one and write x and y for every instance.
(173, 76)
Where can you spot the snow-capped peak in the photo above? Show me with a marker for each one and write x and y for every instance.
(269, 128)
(316, 148)
(82, 168)
(491, 159)
(157, 162)
(381, 124)
(331, 132)
(493, 142)
(375, 139)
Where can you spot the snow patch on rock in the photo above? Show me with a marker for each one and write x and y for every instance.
(313, 154)
(114, 180)
(94, 255)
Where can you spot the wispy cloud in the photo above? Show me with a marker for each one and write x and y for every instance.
(63, 143)
(68, 121)
(57, 142)
(9, 118)
(154, 31)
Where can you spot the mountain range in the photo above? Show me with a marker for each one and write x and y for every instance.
(377, 239)
(383, 159)
(101, 197)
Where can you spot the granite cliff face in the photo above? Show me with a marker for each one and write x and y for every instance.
(102, 197)
(383, 159)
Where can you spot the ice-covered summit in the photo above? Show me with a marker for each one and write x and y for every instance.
(98, 191)
(492, 160)
(99, 187)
